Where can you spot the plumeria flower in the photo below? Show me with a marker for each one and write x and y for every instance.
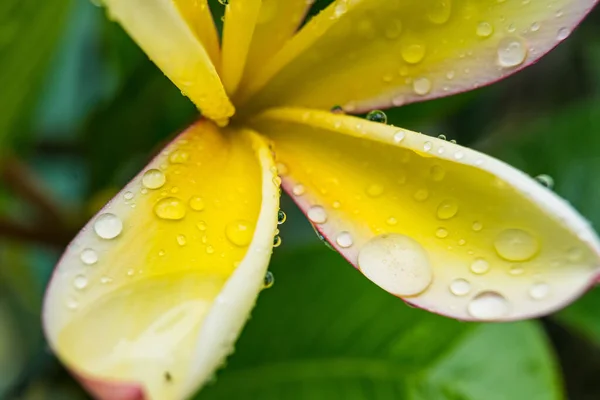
(149, 298)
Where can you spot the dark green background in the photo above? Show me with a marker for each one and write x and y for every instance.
(82, 109)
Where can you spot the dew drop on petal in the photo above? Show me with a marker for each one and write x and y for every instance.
(460, 287)
(89, 256)
(516, 245)
(181, 240)
(399, 136)
(317, 215)
(269, 280)
(153, 179)
(422, 86)
(281, 217)
(511, 52)
(441, 233)
(488, 306)
(80, 282)
(562, 34)
(539, 291)
(484, 29)
(108, 226)
(298, 190)
(377, 116)
(447, 209)
(239, 232)
(396, 263)
(128, 195)
(545, 180)
(197, 203)
(170, 208)
(344, 239)
(277, 241)
(413, 53)
(477, 226)
(480, 266)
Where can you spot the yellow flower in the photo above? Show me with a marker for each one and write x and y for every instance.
(149, 298)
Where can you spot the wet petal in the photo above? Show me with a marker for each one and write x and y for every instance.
(372, 54)
(444, 227)
(180, 47)
(199, 18)
(155, 289)
(240, 20)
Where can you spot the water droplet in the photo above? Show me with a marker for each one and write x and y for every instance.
(421, 195)
(72, 304)
(105, 280)
(239, 232)
(210, 249)
(337, 109)
(298, 190)
(442, 136)
(440, 12)
(562, 34)
(130, 272)
(516, 269)
(488, 306)
(89, 256)
(317, 215)
(391, 221)
(80, 282)
(480, 266)
(460, 287)
(344, 240)
(437, 173)
(281, 217)
(396, 263)
(153, 179)
(108, 226)
(181, 240)
(375, 190)
(539, 290)
(516, 245)
(197, 203)
(377, 116)
(269, 280)
(393, 29)
(441, 233)
(170, 208)
(421, 86)
(574, 254)
(545, 180)
(224, 2)
(340, 9)
(128, 195)
(484, 29)
(281, 169)
(447, 209)
(511, 52)
(413, 53)
(276, 241)
(179, 157)
(399, 136)
(427, 146)
(535, 27)
(459, 155)
(477, 226)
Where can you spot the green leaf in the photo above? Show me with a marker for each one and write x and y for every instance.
(325, 332)
(29, 31)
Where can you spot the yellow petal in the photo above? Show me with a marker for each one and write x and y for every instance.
(240, 20)
(156, 288)
(377, 53)
(444, 227)
(199, 18)
(182, 51)
(277, 22)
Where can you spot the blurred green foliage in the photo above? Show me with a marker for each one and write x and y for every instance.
(83, 109)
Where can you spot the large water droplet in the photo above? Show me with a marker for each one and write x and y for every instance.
(89, 256)
(460, 287)
(317, 215)
(480, 266)
(511, 52)
(447, 209)
(488, 306)
(153, 179)
(562, 34)
(344, 240)
(440, 12)
(396, 263)
(545, 180)
(170, 208)
(269, 280)
(108, 226)
(239, 232)
(516, 245)
(281, 217)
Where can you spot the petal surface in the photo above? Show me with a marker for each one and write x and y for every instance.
(240, 21)
(365, 54)
(276, 24)
(199, 18)
(444, 227)
(152, 293)
(170, 34)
